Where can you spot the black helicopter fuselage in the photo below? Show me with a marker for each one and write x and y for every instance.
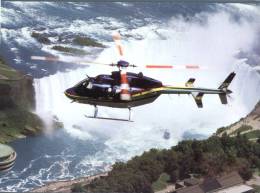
(104, 90)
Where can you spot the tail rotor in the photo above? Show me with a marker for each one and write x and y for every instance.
(224, 87)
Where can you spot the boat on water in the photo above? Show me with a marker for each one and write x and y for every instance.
(7, 157)
(166, 134)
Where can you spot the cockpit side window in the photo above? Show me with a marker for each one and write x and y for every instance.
(89, 85)
(85, 84)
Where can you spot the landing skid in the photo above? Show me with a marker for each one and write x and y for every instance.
(95, 116)
(106, 118)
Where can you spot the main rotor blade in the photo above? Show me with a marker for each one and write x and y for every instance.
(124, 93)
(117, 39)
(159, 66)
(45, 58)
(57, 59)
(193, 67)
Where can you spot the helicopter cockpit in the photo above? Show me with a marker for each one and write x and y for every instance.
(101, 86)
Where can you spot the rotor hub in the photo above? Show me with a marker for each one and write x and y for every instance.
(122, 63)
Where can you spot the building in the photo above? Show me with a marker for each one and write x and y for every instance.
(7, 157)
(229, 183)
(191, 181)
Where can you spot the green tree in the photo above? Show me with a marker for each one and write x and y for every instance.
(78, 188)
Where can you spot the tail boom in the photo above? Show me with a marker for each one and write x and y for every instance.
(198, 93)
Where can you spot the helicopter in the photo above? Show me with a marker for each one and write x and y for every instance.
(122, 89)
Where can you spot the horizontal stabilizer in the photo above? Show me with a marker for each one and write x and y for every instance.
(190, 82)
(223, 98)
(198, 98)
(227, 81)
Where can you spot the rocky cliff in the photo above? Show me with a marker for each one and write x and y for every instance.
(16, 105)
(249, 125)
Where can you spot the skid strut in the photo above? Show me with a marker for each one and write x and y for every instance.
(95, 111)
(130, 114)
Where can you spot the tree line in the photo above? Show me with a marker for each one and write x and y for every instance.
(209, 157)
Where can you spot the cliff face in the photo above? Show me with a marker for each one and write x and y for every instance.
(18, 92)
(256, 111)
(16, 105)
(249, 125)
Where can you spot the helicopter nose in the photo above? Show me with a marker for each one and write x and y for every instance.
(70, 92)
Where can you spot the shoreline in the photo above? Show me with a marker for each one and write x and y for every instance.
(65, 185)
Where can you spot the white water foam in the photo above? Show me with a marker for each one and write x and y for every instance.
(56, 168)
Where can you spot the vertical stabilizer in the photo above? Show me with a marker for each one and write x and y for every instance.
(227, 81)
(223, 98)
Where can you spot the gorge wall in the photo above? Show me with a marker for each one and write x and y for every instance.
(17, 104)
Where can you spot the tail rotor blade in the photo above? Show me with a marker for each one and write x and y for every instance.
(231, 98)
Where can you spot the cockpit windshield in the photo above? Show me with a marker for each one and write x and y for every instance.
(83, 82)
